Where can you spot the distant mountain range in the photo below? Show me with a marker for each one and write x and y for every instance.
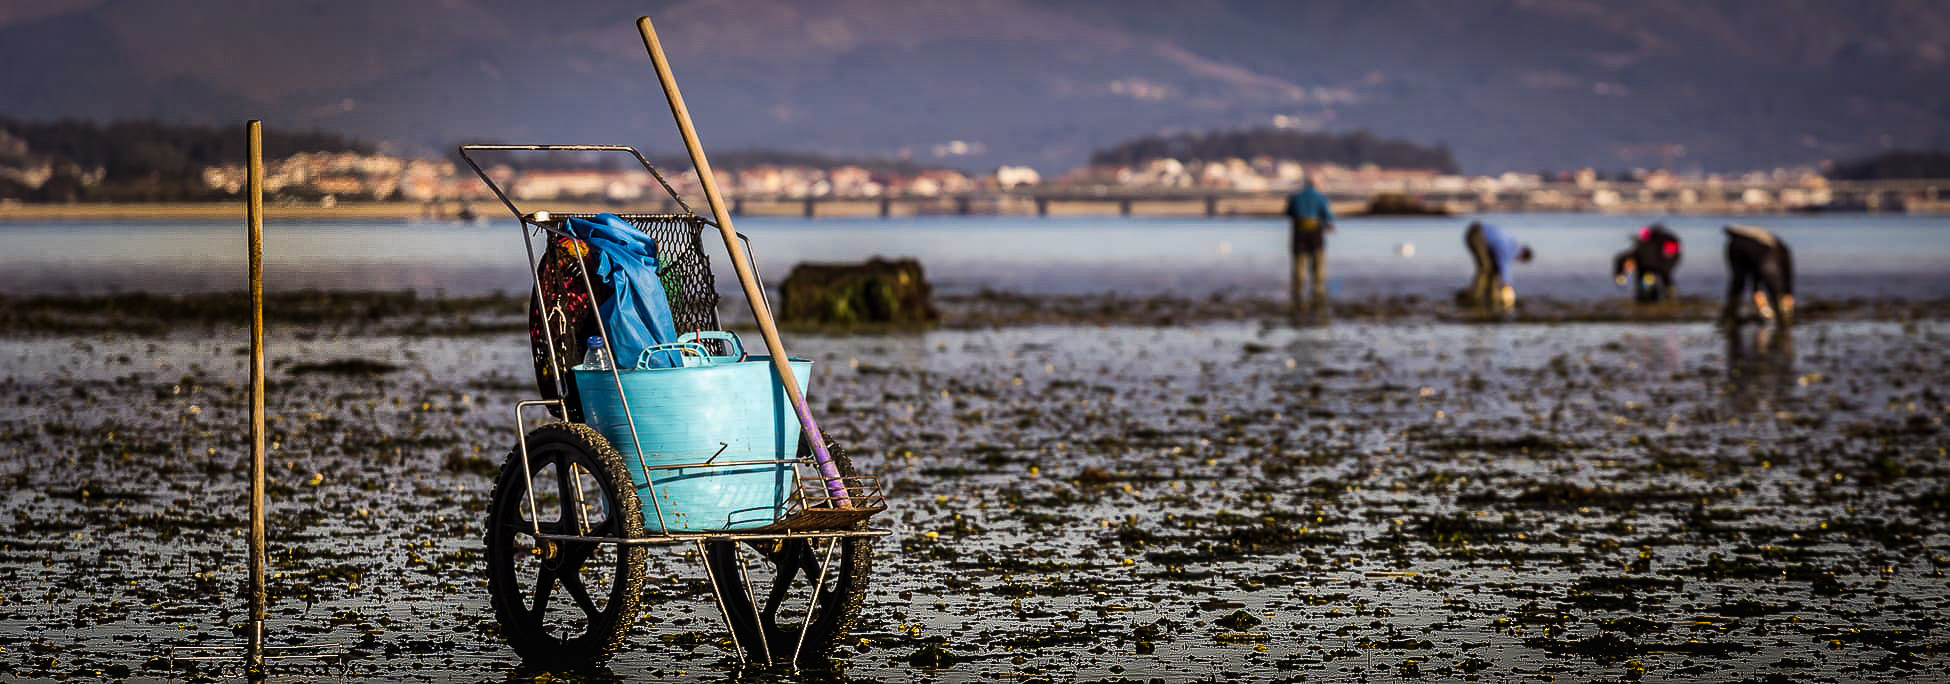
(1344, 149)
(1504, 84)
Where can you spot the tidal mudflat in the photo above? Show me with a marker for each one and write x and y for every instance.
(1374, 497)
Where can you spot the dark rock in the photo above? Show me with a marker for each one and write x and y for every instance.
(1239, 620)
(880, 291)
(932, 656)
(1397, 204)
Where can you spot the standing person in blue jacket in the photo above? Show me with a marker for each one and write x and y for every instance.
(1493, 251)
(1312, 218)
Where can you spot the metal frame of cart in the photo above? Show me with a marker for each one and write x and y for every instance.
(821, 508)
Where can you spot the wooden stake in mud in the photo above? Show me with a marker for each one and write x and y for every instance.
(254, 216)
(754, 291)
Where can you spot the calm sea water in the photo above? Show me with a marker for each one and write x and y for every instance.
(1836, 255)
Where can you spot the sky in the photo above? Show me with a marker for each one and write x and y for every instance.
(1506, 85)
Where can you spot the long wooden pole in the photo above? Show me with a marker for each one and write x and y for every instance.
(754, 291)
(254, 215)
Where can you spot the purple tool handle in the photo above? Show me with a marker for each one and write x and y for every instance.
(831, 471)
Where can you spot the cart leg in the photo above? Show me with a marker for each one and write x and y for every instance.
(744, 571)
(812, 604)
(581, 507)
(716, 596)
(528, 478)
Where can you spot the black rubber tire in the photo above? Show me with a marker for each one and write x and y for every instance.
(580, 633)
(840, 600)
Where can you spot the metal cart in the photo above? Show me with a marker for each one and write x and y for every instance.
(567, 528)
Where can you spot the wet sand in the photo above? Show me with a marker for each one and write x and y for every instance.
(312, 313)
(1161, 489)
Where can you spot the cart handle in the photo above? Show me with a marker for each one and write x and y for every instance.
(737, 346)
(510, 203)
(683, 348)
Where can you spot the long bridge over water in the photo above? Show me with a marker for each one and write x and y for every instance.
(1899, 196)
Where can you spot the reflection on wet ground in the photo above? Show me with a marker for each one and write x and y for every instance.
(1760, 365)
(1236, 500)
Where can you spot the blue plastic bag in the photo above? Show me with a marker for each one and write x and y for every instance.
(637, 314)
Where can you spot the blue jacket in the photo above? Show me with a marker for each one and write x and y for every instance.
(1305, 207)
(638, 314)
(1309, 203)
(1503, 250)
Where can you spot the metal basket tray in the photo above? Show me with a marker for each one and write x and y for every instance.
(813, 505)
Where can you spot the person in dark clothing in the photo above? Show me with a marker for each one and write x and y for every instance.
(1493, 250)
(1648, 264)
(1759, 260)
(1312, 218)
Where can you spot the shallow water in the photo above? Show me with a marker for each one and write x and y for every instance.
(1837, 255)
(1346, 501)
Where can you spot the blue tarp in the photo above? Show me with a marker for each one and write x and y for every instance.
(637, 315)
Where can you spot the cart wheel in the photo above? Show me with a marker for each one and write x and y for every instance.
(564, 605)
(780, 576)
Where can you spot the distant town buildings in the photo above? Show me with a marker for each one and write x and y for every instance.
(1010, 177)
(348, 176)
(1260, 174)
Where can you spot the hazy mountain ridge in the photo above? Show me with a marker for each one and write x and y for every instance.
(1514, 84)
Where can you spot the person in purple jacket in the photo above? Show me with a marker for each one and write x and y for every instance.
(1493, 250)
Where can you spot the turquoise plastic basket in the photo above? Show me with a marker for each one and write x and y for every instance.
(714, 410)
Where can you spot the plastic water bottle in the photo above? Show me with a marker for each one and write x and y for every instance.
(598, 357)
